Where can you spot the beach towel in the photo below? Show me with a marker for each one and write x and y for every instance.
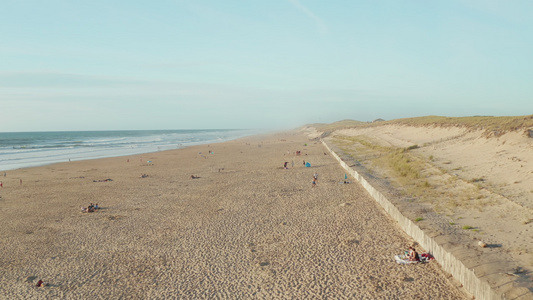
(403, 260)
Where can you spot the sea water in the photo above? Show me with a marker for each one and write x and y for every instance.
(28, 149)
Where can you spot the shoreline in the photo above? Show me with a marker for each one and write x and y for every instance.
(246, 228)
(71, 153)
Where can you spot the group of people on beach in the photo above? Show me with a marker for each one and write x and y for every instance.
(91, 208)
(410, 256)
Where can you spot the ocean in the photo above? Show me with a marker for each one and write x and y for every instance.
(29, 149)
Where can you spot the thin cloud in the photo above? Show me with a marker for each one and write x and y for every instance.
(181, 65)
(321, 26)
(53, 79)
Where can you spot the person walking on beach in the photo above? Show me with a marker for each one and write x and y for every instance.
(315, 177)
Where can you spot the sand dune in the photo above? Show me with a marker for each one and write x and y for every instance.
(473, 188)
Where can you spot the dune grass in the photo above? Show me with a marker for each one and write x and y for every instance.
(418, 176)
(413, 174)
(492, 126)
(324, 127)
(486, 123)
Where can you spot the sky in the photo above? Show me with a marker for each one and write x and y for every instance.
(210, 64)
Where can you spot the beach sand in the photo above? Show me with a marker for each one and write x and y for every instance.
(246, 229)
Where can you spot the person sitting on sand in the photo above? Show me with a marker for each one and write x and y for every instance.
(103, 180)
(40, 283)
(413, 255)
(96, 206)
(83, 209)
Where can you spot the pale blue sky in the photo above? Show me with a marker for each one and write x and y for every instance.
(97, 65)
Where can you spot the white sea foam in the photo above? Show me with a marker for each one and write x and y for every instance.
(20, 150)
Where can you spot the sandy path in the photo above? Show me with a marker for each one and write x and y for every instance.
(247, 229)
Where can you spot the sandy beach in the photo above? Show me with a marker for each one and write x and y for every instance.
(247, 228)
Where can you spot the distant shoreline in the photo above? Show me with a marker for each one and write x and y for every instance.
(33, 149)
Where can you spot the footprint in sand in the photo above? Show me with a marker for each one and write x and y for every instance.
(349, 242)
(252, 247)
(264, 263)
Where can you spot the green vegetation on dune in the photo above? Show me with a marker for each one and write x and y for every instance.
(397, 159)
(413, 174)
(486, 123)
(489, 124)
(337, 125)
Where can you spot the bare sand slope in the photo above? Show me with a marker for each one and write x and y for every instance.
(246, 229)
(483, 183)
